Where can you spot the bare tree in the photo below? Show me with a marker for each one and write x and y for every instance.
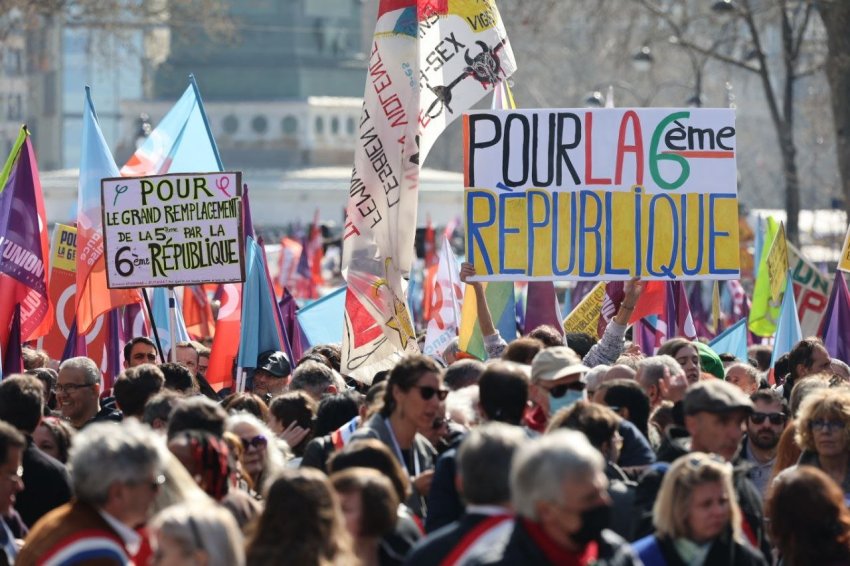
(836, 20)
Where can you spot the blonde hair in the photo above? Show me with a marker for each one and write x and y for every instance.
(833, 402)
(206, 527)
(670, 513)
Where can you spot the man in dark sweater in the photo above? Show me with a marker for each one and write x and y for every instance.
(47, 484)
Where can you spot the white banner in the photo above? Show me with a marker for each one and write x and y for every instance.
(179, 229)
(430, 61)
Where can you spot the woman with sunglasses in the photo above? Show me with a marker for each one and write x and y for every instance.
(823, 433)
(262, 457)
(411, 403)
(697, 519)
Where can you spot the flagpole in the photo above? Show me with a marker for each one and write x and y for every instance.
(172, 323)
(451, 281)
(153, 326)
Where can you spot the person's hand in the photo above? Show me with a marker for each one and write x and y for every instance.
(633, 351)
(422, 482)
(293, 435)
(632, 289)
(467, 270)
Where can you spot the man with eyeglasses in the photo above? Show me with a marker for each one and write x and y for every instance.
(764, 428)
(117, 471)
(78, 393)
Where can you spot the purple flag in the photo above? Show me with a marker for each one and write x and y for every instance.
(678, 317)
(700, 314)
(13, 361)
(581, 289)
(288, 309)
(541, 307)
(114, 346)
(836, 323)
(76, 343)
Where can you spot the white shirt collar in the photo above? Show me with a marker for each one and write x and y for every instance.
(488, 510)
(132, 539)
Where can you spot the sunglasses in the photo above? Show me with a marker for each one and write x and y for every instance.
(258, 441)
(560, 390)
(775, 418)
(824, 425)
(426, 392)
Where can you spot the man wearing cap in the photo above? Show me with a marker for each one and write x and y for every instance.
(272, 374)
(557, 381)
(714, 417)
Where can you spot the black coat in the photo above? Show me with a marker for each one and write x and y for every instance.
(47, 484)
(434, 548)
(521, 549)
(725, 551)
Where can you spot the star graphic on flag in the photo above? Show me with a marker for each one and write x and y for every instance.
(400, 322)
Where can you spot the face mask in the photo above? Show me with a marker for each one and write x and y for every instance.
(592, 522)
(566, 400)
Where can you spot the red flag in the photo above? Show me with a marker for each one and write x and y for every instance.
(316, 250)
(430, 244)
(652, 301)
(226, 341)
(197, 312)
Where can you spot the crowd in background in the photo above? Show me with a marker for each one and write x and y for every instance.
(555, 450)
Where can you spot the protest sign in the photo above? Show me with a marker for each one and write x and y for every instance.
(777, 264)
(179, 229)
(585, 317)
(811, 291)
(844, 260)
(63, 286)
(605, 193)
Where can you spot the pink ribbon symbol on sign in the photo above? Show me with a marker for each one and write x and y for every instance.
(222, 184)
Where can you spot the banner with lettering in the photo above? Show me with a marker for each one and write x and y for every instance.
(601, 194)
(811, 290)
(177, 229)
(430, 61)
(62, 287)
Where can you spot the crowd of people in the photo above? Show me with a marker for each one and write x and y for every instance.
(555, 450)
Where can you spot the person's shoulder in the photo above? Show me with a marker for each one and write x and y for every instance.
(36, 457)
(747, 555)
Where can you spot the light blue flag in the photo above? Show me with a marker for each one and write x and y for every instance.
(182, 142)
(322, 320)
(788, 331)
(733, 340)
(761, 226)
(162, 320)
(259, 332)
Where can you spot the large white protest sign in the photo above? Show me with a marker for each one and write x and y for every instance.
(179, 229)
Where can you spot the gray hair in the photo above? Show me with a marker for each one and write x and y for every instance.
(277, 451)
(315, 378)
(461, 405)
(651, 370)
(595, 376)
(207, 527)
(106, 453)
(751, 372)
(89, 369)
(484, 462)
(541, 466)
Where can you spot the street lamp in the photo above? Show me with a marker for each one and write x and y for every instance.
(723, 7)
(643, 59)
(144, 129)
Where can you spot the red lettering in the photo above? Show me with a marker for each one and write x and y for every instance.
(588, 153)
(636, 148)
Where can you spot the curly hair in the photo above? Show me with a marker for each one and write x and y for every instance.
(823, 403)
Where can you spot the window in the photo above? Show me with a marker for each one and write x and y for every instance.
(289, 125)
(230, 124)
(259, 124)
(320, 125)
